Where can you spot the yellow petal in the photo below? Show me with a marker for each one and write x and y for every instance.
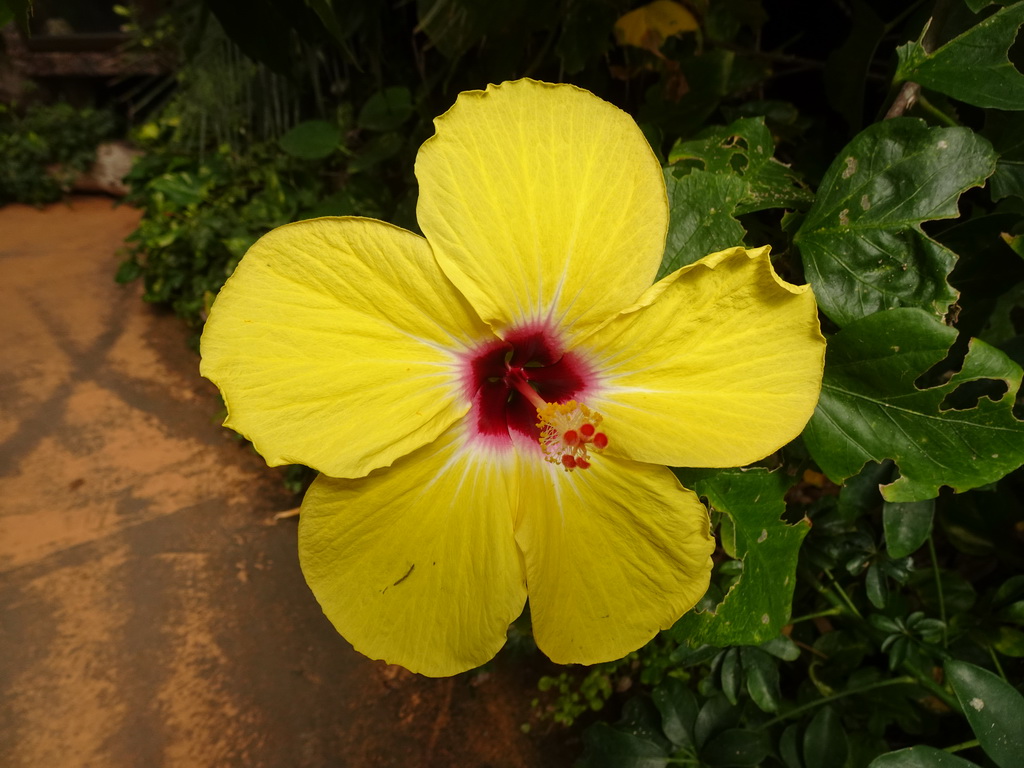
(417, 564)
(542, 203)
(719, 366)
(650, 25)
(334, 345)
(613, 554)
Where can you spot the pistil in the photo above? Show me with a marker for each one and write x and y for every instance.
(567, 430)
(516, 379)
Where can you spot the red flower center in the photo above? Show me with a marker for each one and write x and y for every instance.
(497, 371)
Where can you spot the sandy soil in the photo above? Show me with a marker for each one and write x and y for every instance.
(151, 612)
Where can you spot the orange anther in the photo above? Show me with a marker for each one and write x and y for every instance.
(566, 431)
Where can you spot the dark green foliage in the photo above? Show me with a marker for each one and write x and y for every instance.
(202, 214)
(43, 151)
(871, 408)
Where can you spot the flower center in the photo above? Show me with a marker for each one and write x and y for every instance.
(527, 384)
(566, 430)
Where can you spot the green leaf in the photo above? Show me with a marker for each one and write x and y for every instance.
(128, 271)
(762, 673)
(871, 410)
(378, 149)
(311, 140)
(180, 189)
(736, 747)
(972, 67)
(1006, 132)
(758, 605)
(907, 525)
(861, 492)
(782, 647)
(825, 740)
(775, 186)
(635, 742)
(726, 171)
(977, 5)
(702, 222)
(1009, 592)
(678, 708)
(876, 586)
(994, 709)
(386, 110)
(789, 746)
(920, 757)
(731, 670)
(714, 717)
(608, 747)
(744, 148)
(862, 244)
(1009, 642)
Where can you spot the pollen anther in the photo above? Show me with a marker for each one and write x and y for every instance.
(567, 432)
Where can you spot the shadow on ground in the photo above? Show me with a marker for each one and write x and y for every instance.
(153, 614)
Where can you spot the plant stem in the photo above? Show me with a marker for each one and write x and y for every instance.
(936, 690)
(835, 611)
(844, 605)
(935, 112)
(842, 593)
(905, 98)
(965, 745)
(684, 759)
(995, 661)
(938, 590)
(906, 679)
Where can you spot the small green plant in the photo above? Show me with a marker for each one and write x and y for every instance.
(200, 215)
(201, 212)
(572, 696)
(46, 148)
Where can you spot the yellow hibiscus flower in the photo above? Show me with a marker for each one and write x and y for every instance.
(492, 407)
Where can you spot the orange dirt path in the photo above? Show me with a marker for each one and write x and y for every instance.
(151, 612)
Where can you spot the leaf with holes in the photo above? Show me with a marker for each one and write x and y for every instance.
(871, 410)
(744, 148)
(973, 67)
(862, 244)
(725, 172)
(701, 207)
(758, 605)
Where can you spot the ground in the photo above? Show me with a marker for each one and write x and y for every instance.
(152, 612)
